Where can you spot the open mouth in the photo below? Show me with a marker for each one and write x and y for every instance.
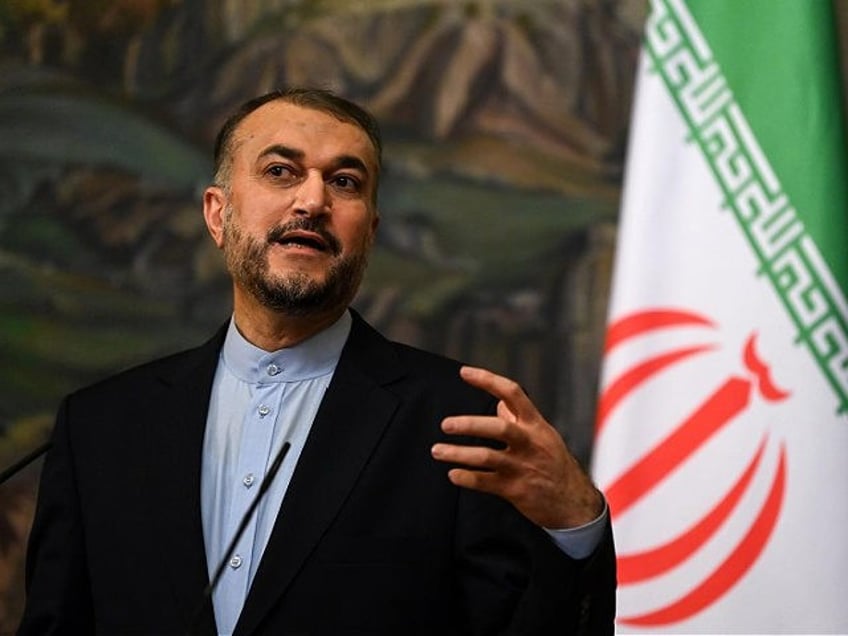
(307, 235)
(304, 239)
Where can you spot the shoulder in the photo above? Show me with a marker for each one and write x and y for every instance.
(372, 350)
(408, 370)
(139, 382)
(365, 340)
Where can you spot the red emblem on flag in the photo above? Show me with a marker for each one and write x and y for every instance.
(724, 406)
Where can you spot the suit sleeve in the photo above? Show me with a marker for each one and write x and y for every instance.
(515, 580)
(569, 596)
(57, 583)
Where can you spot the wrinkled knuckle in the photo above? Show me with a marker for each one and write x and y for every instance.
(488, 456)
(503, 428)
(513, 389)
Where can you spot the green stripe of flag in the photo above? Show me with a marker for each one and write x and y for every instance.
(780, 58)
(756, 82)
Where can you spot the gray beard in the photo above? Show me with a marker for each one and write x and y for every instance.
(294, 294)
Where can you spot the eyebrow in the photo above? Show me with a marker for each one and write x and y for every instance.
(342, 161)
(283, 151)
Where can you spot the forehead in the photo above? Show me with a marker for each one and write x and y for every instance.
(319, 135)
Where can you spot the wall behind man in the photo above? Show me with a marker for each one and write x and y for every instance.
(505, 125)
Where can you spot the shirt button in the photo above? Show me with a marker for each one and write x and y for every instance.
(273, 369)
(264, 410)
(235, 562)
(248, 480)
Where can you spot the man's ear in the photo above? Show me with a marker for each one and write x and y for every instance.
(214, 204)
(375, 222)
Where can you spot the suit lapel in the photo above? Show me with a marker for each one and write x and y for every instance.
(346, 430)
(176, 443)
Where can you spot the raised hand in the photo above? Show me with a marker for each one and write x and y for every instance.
(534, 470)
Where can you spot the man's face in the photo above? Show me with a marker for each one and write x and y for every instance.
(299, 218)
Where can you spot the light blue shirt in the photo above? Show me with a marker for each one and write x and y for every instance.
(259, 401)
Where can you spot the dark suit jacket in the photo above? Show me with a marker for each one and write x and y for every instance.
(371, 537)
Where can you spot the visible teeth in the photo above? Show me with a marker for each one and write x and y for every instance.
(303, 242)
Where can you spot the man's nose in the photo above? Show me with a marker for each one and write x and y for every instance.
(311, 197)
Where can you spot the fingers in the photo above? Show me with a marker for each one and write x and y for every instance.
(509, 391)
(477, 457)
(502, 428)
(506, 427)
(531, 467)
(476, 480)
(505, 414)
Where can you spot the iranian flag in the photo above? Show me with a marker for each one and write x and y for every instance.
(722, 432)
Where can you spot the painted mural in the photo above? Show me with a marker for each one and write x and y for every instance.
(505, 125)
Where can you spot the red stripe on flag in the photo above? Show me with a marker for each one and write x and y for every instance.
(732, 569)
(648, 564)
(638, 323)
(635, 376)
(658, 464)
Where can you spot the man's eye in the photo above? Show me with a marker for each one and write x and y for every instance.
(279, 171)
(346, 183)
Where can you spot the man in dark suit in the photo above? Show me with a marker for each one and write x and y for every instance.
(361, 531)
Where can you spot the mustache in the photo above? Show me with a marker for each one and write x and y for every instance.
(306, 224)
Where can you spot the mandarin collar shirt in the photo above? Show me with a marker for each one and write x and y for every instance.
(259, 400)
